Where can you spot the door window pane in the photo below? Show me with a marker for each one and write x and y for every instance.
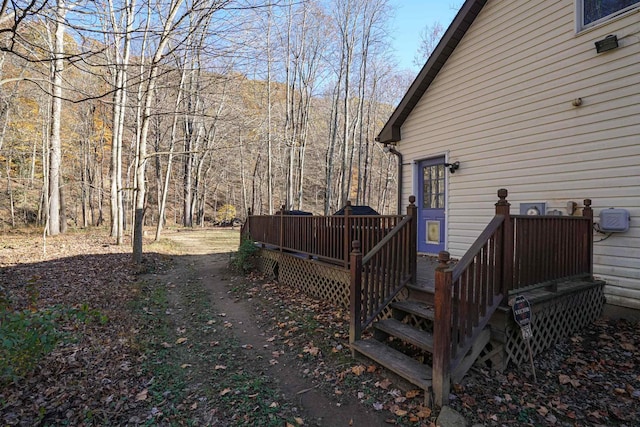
(433, 186)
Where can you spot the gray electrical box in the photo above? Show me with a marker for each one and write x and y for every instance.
(614, 220)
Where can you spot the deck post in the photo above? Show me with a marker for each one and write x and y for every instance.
(281, 238)
(587, 212)
(355, 294)
(346, 236)
(412, 211)
(503, 208)
(441, 376)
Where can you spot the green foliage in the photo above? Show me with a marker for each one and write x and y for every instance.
(243, 259)
(86, 315)
(27, 336)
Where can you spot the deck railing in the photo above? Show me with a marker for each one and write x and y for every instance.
(511, 253)
(327, 238)
(378, 275)
(550, 248)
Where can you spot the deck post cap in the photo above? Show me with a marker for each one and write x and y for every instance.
(443, 259)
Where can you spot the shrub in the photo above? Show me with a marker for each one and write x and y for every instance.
(226, 214)
(243, 259)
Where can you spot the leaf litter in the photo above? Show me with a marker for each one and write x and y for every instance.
(590, 379)
(97, 378)
(94, 373)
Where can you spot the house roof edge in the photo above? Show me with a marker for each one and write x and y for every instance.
(390, 132)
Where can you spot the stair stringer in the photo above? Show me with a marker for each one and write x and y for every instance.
(468, 353)
(458, 373)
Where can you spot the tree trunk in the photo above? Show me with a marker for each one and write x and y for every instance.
(165, 187)
(187, 214)
(55, 152)
(122, 40)
(141, 152)
(63, 207)
(10, 191)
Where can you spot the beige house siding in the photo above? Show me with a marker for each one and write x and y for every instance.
(502, 107)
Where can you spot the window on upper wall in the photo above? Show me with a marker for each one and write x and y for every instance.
(592, 12)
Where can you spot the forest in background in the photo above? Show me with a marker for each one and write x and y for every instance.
(131, 112)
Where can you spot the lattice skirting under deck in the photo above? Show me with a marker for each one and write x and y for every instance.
(322, 281)
(552, 321)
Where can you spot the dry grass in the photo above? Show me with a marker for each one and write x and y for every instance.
(188, 241)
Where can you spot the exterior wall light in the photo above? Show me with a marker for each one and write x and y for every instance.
(608, 43)
(453, 167)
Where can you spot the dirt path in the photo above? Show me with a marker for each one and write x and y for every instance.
(247, 321)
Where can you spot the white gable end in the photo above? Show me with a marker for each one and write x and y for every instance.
(503, 106)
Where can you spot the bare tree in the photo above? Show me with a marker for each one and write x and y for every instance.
(13, 16)
(269, 114)
(260, 110)
(164, 190)
(305, 43)
(429, 39)
(118, 33)
(373, 15)
(172, 15)
(55, 150)
(173, 34)
(359, 29)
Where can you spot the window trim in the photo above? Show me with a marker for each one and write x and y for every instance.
(579, 9)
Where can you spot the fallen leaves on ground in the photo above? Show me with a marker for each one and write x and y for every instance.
(95, 372)
(317, 332)
(590, 379)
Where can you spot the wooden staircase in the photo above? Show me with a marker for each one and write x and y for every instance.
(445, 327)
(393, 330)
(410, 331)
(449, 328)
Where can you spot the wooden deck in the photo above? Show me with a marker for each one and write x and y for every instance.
(426, 269)
(463, 313)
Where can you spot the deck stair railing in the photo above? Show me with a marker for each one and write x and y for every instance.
(512, 253)
(378, 275)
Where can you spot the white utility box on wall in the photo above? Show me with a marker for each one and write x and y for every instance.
(614, 220)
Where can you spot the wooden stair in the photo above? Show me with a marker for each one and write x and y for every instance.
(383, 346)
(378, 349)
(407, 333)
(400, 364)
